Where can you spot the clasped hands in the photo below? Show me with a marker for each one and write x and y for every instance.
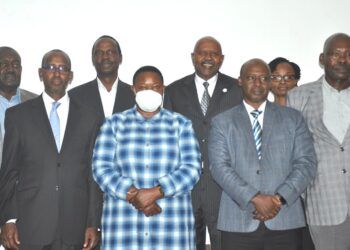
(266, 206)
(144, 199)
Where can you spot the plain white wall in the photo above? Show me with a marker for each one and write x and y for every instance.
(163, 33)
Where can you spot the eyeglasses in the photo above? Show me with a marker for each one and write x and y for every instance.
(286, 78)
(253, 78)
(337, 54)
(54, 68)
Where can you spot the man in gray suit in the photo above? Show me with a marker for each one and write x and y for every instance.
(10, 79)
(262, 156)
(190, 97)
(325, 105)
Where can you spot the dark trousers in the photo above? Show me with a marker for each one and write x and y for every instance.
(262, 239)
(307, 243)
(56, 245)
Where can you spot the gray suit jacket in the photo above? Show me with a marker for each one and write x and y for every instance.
(25, 96)
(327, 197)
(287, 166)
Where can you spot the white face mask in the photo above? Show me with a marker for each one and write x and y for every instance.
(148, 100)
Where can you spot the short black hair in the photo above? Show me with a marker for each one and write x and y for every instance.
(147, 69)
(275, 62)
(43, 62)
(107, 37)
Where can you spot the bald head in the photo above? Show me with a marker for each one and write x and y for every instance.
(334, 38)
(252, 62)
(205, 40)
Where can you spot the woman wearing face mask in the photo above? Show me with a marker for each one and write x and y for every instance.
(146, 160)
(284, 76)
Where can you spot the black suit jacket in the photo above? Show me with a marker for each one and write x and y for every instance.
(89, 95)
(181, 96)
(44, 189)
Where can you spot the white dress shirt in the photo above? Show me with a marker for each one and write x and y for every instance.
(200, 87)
(107, 97)
(260, 117)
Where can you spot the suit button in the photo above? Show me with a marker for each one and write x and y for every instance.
(343, 171)
(342, 148)
(257, 171)
(204, 140)
(57, 188)
(58, 164)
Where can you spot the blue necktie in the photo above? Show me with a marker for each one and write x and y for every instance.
(55, 123)
(205, 98)
(257, 131)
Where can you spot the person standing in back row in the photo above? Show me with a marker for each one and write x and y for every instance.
(199, 97)
(325, 105)
(106, 94)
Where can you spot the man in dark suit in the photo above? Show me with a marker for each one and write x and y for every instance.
(199, 97)
(262, 156)
(106, 94)
(48, 198)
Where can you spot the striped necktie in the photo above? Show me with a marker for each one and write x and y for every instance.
(55, 123)
(257, 131)
(205, 98)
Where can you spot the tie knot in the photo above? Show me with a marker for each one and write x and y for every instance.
(255, 113)
(55, 105)
(206, 85)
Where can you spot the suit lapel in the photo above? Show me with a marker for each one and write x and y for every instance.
(96, 98)
(269, 122)
(219, 91)
(244, 122)
(192, 95)
(42, 122)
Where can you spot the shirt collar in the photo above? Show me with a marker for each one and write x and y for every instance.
(15, 98)
(329, 88)
(250, 108)
(101, 86)
(154, 119)
(211, 81)
(48, 100)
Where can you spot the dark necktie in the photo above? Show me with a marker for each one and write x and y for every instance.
(55, 123)
(205, 98)
(257, 131)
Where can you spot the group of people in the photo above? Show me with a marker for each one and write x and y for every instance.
(150, 166)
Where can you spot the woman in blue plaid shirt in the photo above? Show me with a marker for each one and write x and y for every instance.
(146, 160)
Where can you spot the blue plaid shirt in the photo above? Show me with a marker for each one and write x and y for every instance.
(132, 150)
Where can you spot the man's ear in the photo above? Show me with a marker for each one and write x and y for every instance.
(321, 60)
(40, 74)
(239, 81)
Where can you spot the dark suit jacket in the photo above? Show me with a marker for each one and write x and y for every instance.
(181, 96)
(46, 190)
(89, 95)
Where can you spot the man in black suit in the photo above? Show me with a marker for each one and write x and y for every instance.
(199, 97)
(106, 94)
(48, 198)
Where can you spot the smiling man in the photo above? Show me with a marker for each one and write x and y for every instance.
(199, 97)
